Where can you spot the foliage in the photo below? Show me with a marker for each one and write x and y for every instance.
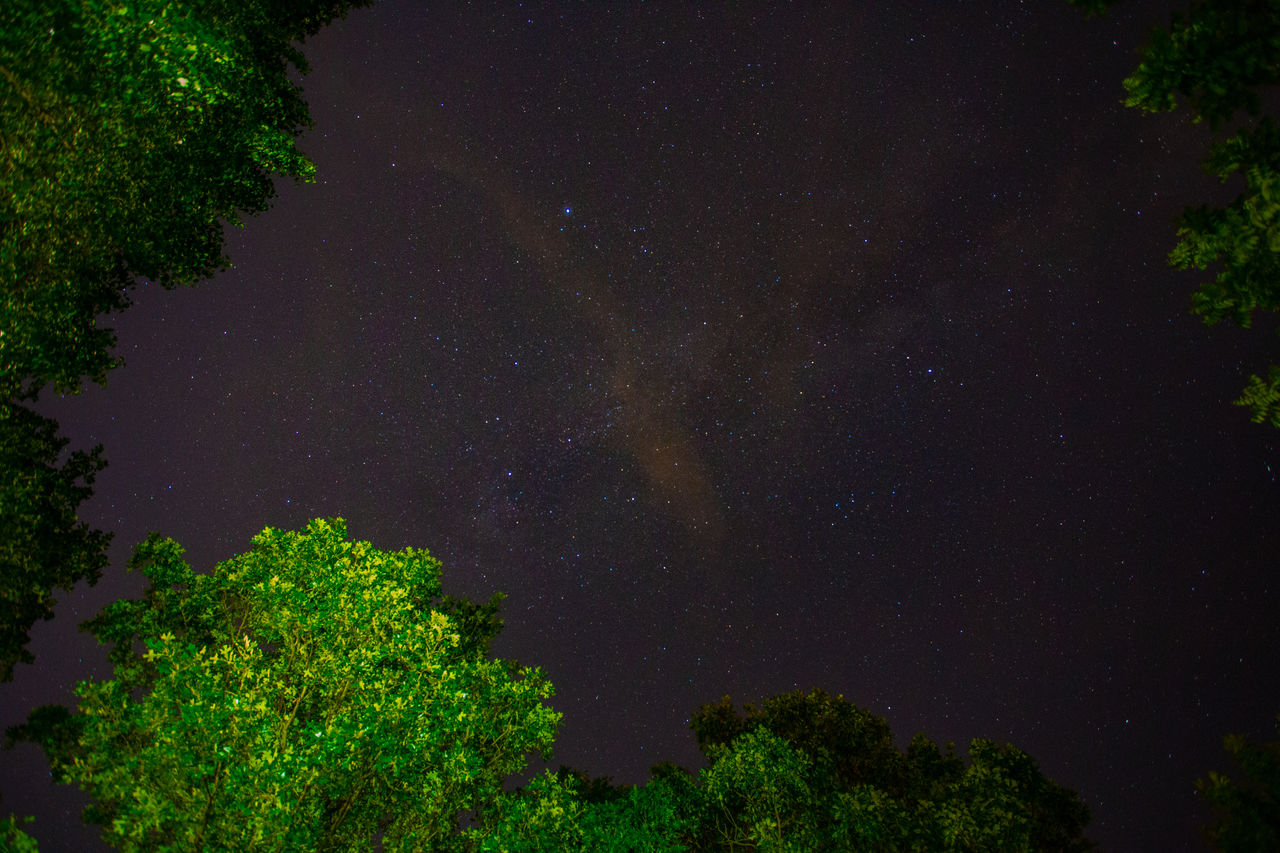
(1244, 236)
(812, 771)
(1246, 812)
(1215, 58)
(542, 817)
(13, 839)
(826, 778)
(759, 796)
(306, 695)
(303, 696)
(567, 811)
(654, 818)
(43, 545)
(1262, 397)
(844, 742)
(129, 132)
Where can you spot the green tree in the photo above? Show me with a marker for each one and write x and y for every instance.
(1246, 811)
(1215, 58)
(311, 694)
(129, 134)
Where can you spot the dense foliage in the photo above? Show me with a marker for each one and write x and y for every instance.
(129, 134)
(311, 694)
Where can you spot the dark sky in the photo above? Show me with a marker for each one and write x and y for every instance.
(746, 350)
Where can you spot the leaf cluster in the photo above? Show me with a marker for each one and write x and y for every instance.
(317, 693)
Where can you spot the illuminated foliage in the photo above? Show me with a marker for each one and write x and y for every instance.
(313, 694)
(310, 694)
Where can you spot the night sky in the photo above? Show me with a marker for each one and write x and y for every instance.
(746, 350)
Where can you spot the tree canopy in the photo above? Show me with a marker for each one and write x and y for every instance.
(1214, 59)
(130, 133)
(802, 772)
(312, 694)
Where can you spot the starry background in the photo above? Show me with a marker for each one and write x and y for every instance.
(746, 349)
